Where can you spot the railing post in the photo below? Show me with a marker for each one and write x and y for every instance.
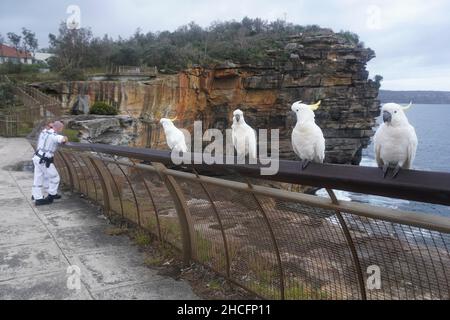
(182, 211)
(154, 207)
(152, 200)
(222, 230)
(92, 177)
(106, 203)
(134, 194)
(272, 237)
(354, 253)
(115, 184)
(69, 170)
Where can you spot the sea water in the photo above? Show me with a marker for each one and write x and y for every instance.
(432, 124)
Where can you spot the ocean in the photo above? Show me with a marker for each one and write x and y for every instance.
(432, 124)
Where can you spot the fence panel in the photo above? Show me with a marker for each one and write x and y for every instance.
(275, 243)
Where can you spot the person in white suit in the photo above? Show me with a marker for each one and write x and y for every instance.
(44, 168)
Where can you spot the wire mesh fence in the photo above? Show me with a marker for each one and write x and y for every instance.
(36, 107)
(274, 243)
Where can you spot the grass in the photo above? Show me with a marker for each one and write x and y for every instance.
(302, 292)
(115, 231)
(72, 135)
(214, 285)
(151, 225)
(142, 238)
(151, 261)
(204, 248)
(170, 229)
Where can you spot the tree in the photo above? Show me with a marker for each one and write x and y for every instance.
(70, 47)
(7, 97)
(14, 39)
(243, 41)
(29, 40)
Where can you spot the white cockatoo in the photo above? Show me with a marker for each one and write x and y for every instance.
(395, 140)
(174, 137)
(244, 137)
(307, 138)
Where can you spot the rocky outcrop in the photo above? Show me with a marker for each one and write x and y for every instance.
(114, 130)
(309, 67)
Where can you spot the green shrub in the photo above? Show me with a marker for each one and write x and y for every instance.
(102, 108)
(72, 135)
(350, 37)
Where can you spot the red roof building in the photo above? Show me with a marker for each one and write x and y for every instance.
(8, 53)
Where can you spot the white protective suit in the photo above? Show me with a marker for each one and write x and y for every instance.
(47, 144)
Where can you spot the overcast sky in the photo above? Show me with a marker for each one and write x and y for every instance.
(410, 37)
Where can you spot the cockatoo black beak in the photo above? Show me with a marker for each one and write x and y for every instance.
(387, 117)
(238, 117)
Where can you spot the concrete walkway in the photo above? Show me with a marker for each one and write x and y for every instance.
(38, 244)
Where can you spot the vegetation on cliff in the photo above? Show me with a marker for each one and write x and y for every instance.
(103, 108)
(244, 42)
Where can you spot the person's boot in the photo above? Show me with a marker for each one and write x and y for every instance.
(42, 202)
(54, 197)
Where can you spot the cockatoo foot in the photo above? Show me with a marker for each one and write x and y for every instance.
(396, 171)
(385, 170)
(305, 164)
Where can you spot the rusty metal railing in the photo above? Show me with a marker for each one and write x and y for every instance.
(37, 107)
(275, 243)
(132, 71)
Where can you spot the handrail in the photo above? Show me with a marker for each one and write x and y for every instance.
(423, 186)
(275, 243)
(272, 242)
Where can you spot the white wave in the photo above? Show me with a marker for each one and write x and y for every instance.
(340, 195)
(368, 162)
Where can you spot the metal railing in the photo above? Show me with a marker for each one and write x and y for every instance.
(272, 242)
(132, 71)
(37, 107)
(276, 243)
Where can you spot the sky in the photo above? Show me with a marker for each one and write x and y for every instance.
(410, 37)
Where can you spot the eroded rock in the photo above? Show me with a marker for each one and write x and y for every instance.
(308, 67)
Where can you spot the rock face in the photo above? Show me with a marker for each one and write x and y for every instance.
(307, 67)
(114, 130)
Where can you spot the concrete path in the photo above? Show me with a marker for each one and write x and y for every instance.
(38, 244)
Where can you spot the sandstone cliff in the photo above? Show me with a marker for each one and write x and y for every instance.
(308, 67)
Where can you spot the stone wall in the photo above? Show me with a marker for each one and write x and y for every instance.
(308, 67)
